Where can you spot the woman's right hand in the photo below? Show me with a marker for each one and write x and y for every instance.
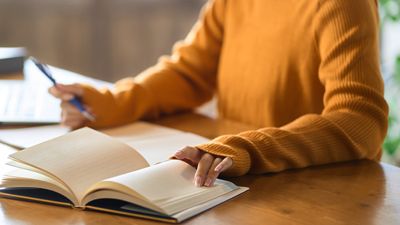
(208, 166)
(70, 115)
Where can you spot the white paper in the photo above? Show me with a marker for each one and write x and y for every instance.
(27, 137)
(159, 149)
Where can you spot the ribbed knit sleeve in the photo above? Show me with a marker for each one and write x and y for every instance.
(182, 81)
(353, 123)
(127, 102)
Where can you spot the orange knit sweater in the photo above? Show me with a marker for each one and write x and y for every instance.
(306, 72)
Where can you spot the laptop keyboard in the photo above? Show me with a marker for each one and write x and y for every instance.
(18, 101)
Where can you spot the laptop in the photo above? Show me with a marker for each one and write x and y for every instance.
(22, 103)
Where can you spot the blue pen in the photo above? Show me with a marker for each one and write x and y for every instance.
(74, 101)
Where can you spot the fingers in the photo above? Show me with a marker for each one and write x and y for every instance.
(66, 92)
(55, 92)
(218, 167)
(208, 166)
(74, 89)
(206, 173)
(71, 116)
(224, 165)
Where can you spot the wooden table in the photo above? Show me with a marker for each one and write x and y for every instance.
(359, 192)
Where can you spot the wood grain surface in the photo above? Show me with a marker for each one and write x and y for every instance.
(358, 192)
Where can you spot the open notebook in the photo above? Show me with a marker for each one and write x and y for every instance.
(87, 169)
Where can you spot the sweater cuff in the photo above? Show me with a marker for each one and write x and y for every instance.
(127, 102)
(241, 158)
(91, 97)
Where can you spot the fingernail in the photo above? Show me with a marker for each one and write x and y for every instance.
(218, 168)
(208, 182)
(178, 153)
(197, 182)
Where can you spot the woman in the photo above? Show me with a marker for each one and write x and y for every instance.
(307, 72)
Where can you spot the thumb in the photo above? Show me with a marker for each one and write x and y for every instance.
(188, 152)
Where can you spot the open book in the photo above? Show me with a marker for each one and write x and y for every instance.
(88, 169)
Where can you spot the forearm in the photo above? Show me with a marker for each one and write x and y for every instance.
(310, 140)
(180, 82)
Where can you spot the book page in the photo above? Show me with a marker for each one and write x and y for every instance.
(5, 151)
(82, 158)
(168, 185)
(18, 174)
(165, 180)
(155, 143)
(24, 178)
(26, 167)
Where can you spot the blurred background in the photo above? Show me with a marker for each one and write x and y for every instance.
(112, 39)
(104, 39)
(389, 11)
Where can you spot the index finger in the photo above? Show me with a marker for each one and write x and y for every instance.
(55, 92)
